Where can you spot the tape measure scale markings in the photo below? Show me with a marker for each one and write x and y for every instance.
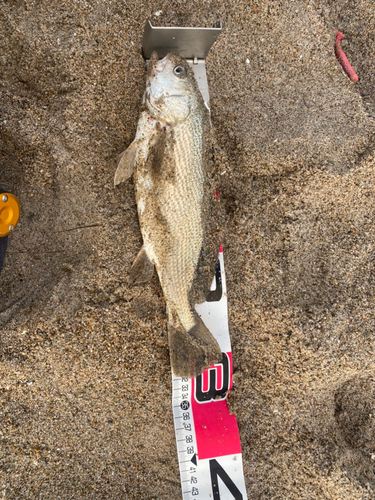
(207, 436)
(9, 213)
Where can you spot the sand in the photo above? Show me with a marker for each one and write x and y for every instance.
(85, 381)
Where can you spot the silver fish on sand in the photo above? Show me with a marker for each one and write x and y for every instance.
(170, 161)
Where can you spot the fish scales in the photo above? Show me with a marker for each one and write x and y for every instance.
(172, 188)
(182, 207)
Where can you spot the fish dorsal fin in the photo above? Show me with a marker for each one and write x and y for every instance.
(126, 163)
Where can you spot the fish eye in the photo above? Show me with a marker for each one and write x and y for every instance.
(180, 71)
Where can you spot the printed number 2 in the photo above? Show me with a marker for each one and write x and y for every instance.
(217, 471)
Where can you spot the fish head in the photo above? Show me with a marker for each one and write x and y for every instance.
(172, 92)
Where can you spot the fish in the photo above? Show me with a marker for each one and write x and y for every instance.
(171, 162)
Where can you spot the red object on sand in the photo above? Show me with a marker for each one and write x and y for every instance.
(343, 60)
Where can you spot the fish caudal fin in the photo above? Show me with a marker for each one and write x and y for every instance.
(142, 268)
(126, 162)
(192, 352)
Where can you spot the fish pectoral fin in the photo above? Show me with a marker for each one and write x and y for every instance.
(126, 163)
(194, 351)
(142, 268)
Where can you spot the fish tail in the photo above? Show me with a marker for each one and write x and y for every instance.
(194, 351)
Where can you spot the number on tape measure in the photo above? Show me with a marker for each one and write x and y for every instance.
(208, 444)
(216, 471)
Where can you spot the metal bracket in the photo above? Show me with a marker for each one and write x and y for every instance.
(192, 43)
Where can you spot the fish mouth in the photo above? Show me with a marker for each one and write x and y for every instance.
(154, 101)
(159, 64)
(161, 110)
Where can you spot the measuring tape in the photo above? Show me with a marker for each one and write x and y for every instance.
(208, 441)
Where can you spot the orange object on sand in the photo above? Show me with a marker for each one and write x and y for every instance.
(9, 213)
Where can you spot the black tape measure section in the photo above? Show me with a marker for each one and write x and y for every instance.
(215, 295)
(3, 247)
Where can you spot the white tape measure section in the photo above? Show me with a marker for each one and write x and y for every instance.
(208, 443)
(185, 436)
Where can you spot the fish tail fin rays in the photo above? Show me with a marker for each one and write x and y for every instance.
(142, 268)
(126, 163)
(192, 352)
